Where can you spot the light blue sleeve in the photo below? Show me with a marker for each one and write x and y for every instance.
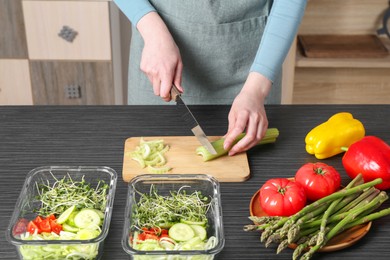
(279, 33)
(134, 9)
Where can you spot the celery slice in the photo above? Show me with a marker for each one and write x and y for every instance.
(150, 154)
(158, 170)
(270, 137)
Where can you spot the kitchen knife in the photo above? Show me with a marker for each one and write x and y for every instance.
(190, 120)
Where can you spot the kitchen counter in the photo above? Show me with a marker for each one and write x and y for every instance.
(33, 136)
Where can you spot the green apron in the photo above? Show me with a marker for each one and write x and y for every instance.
(218, 41)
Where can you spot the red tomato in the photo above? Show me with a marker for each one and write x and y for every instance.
(141, 236)
(44, 226)
(163, 235)
(51, 216)
(318, 180)
(151, 236)
(55, 227)
(282, 197)
(32, 228)
(37, 220)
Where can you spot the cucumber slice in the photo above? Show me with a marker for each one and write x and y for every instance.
(85, 234)
(87, 218)
(65, 215)
(194, 243)
(70, 220)
(181, 232)
(199, 231)
(100, 213)
(189, 222)
(69, 228)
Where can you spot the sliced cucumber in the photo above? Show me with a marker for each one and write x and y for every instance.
(100, 213)
(85, 234)
(65, 215)
(87, 218)
(69, 228)
(193, 244)
(70, 220)
(181, 232)
(190, 222)
(199, 231)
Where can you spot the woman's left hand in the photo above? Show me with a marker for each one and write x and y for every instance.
(248, 114)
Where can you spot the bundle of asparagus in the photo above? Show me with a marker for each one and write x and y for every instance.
(312, 227)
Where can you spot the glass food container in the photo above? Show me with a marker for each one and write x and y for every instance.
(73, 242)
(165, 238)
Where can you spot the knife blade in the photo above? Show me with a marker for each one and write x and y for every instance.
(191, 120)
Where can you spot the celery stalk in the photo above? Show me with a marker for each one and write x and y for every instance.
(270, 137)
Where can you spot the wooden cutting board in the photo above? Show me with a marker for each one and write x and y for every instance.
(342, 46)
(183, 160)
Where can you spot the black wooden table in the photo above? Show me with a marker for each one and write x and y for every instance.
(32, 136)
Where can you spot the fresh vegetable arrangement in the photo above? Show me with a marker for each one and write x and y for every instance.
(69, 210)
(177, 221)
(318, 180)
(317, 223)
(371, 157)
(282, 197)
(327, 139)
(269, 137)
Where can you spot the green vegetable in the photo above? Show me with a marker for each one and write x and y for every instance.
(67, 227)
(65, 215)
(322, 220)
(199, 231)
(87, 218)
(270, 137)
(181, 232)
(150, 154)
(64, 193)
(58, 251)
(184, 214)
(154, 210)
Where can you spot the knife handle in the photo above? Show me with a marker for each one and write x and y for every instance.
(174, 92)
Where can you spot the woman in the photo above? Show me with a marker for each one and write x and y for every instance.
(215, 52)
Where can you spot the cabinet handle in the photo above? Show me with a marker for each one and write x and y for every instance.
(67, 33)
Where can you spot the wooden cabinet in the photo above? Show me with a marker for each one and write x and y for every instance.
(72, 52)
(15, 86)
(342, 80)
(15, 82)
(12, 36)
(87, 21)
(87, 81)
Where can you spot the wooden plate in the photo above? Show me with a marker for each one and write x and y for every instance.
(341, 241)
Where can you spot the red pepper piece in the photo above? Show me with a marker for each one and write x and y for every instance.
(371, 157)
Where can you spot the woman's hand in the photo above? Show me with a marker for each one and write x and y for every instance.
(161, 60)
(248, 114)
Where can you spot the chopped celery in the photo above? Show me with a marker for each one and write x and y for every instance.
(269, 137)
(150, 154)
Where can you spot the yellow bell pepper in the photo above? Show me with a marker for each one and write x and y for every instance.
(327, 139)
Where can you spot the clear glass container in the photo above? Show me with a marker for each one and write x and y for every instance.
(164, 184)
(27, 204)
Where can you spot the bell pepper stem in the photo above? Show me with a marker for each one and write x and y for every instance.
(344, 148)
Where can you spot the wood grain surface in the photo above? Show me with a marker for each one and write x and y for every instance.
(89, 19)
(49, 79)
(342, 46)
(13, 43)
(33, 136)
(183, 160)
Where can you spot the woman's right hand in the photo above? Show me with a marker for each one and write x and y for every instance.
(161, 60)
